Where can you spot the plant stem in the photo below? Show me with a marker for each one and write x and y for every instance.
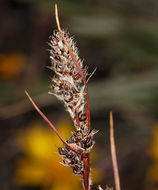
(113, 154)
(85, 176)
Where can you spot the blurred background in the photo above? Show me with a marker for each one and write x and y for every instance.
(120, 39)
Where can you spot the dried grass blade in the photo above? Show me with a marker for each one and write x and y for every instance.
(45, 118)
(113, 154)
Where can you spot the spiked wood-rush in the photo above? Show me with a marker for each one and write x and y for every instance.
(70, 86)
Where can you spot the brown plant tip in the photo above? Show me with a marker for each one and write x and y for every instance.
(57, 17)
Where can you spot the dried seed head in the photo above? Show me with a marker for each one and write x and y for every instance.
(68, 85)
(82, 138)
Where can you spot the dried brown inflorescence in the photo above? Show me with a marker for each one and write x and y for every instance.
(68, 86)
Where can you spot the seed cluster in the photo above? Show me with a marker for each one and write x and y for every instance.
(69, 88)
(82, 138)
(67, 85)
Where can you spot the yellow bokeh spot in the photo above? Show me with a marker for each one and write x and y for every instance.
(41, 165)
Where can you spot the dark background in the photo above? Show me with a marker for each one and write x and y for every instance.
(120, 39)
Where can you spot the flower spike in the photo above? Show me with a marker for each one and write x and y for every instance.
(69, 85)
(72, 51)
